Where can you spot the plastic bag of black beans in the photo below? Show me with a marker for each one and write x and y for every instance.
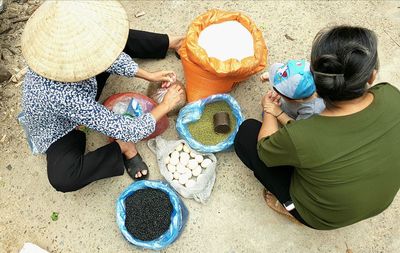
(162, 214)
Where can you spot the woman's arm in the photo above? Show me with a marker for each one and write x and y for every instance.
(159, 76)
(275, 110)
(125, 66)
(270, 122)
(269, 126)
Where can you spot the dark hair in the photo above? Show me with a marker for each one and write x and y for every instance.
(343, 59)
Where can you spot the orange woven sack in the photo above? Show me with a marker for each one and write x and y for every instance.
(205, 75)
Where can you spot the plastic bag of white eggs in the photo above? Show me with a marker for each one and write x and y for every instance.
(190, 173)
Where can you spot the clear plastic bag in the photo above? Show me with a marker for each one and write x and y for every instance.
(193, 111)
(157, 93)
(201, 191)
(178, 218)
(144, 104)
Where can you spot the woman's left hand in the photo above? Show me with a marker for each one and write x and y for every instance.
(166, 77)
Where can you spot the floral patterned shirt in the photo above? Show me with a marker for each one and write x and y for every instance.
(51, 109)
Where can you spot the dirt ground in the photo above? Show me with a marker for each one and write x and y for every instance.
(236, 218)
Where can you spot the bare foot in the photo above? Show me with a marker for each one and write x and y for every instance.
(128, 149)
(175, 42)
(264, 77)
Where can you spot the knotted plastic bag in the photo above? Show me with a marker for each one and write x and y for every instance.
(178, 218)
(201, 191)
(157, 93)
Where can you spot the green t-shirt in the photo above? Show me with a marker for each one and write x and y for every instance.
(347, 168)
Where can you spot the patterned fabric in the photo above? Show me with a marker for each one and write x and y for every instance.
(51, 109)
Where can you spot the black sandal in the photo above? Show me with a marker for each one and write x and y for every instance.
(135, 165)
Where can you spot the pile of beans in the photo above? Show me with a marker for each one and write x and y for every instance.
(148, 214)
(203, 129)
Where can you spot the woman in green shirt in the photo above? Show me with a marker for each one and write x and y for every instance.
(342, 166)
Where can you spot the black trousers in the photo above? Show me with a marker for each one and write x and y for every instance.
(68, 167)
(275, 179)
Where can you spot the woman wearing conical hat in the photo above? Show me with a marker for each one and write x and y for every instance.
(71, 47)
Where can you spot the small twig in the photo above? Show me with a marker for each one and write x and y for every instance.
(288, 37)
(18, 76)
(138, 15)
(395, 42)
(23, 19)
(13, 16)
(6, 30)
(9, 48)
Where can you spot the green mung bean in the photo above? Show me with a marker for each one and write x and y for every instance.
(203, 129)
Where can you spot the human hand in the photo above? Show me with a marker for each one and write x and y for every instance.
(267, 98)
(166, 77)
(172, 98)
(272, 109)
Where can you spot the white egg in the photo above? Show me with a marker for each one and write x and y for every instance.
(197, 171)
(175, 154)
(177, 175)
(184, 159)
(199, 158)
(207, 162)
(183, 180)
(185, 155)
(179, 147)
(180, 168)
(175, 181)
(192, 154)
(188, 173)
(169, 176)
(186, 149)
(174, 160)
(166, 159)
(171, 168)
(192, 164)
(190, 183)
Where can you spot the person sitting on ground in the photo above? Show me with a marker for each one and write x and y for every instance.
(294, 89)
(71, 48)
(341, 166)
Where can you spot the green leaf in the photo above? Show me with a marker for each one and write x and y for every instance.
(54, 216)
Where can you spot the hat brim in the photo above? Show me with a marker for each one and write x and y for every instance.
(70, 41)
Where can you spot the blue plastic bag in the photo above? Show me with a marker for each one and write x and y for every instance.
(134, 108)
(178, 217)
(193, 111)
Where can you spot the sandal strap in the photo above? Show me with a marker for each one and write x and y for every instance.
(135, 165)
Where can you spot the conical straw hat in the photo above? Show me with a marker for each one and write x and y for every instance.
(70, 41)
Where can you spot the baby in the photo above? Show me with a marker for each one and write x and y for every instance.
(293, 82)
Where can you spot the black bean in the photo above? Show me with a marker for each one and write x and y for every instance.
(148, 214)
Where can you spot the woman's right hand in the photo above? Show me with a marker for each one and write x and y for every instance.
(172, 98)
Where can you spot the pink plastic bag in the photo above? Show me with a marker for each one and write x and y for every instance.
(147, 105)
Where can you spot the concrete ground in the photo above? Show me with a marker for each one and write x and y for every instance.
(236, 218)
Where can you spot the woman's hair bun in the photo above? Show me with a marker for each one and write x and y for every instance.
(342, 61)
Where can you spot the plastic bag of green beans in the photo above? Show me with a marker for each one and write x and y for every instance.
(194, 123)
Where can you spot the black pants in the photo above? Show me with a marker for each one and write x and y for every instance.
(275, 179)
(68, 167)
